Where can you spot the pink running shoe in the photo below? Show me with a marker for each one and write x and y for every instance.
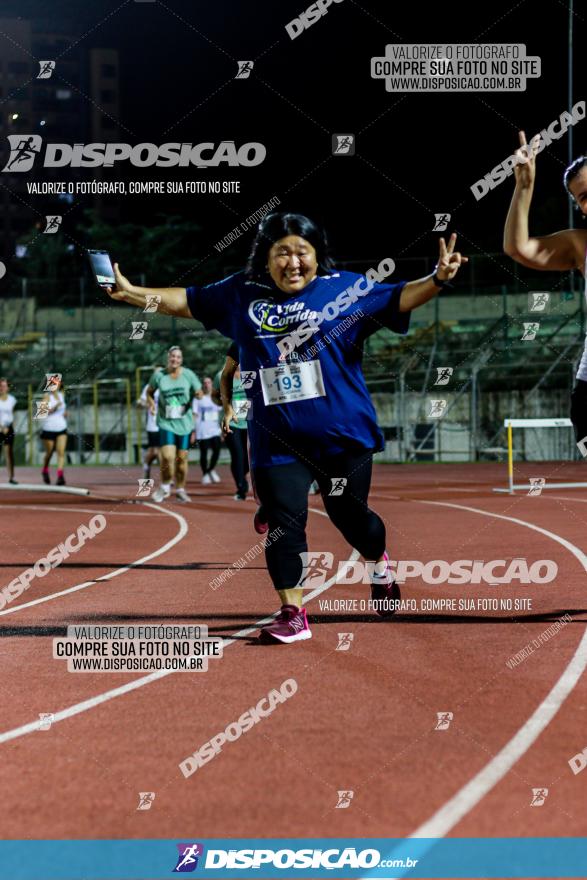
(290, 625)
(384, 592)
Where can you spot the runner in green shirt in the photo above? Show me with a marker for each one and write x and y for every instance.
(177, 387)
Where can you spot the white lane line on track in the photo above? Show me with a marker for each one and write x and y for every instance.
(183, 529)
(455, 809)
(91, 703)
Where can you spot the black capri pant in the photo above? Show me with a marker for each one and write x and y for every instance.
(283, 492)
(239, 458)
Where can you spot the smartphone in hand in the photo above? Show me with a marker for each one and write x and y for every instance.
(102, 268)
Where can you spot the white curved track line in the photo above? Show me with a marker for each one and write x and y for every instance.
(445, 819)
(91, 703)
(183, 529)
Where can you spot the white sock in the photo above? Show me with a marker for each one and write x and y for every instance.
(166, 486)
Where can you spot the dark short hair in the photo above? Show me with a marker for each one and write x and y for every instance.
(573, 170)
(279, 225)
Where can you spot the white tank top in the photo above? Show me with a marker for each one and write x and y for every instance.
(55, 421)
(7, 411)
(207, 418)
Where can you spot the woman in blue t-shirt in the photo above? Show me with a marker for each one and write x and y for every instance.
(300, 325)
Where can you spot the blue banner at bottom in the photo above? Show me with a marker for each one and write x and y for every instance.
(291, 858)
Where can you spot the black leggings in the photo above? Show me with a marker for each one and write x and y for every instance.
(239, 458)
(210, 445)
(579, 410)
(283, 492)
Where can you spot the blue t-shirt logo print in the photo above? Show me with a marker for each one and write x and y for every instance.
(341, 418)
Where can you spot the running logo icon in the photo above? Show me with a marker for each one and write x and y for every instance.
(345, 641)
(146, 799)
(443, 720)
(243, 409)
(41, 409)
(187, 860)
(582, 447)
(145, 487)
(316, 564)
(139, 329)
(53, 222)
(338, 484)
(153, 302)
(24, 149)
(45, 720)
(538, 302)
(343, 145)
(437, 408)
(441, 222)
(46, 69)
(247, 378)
(344, 800)
(531, 329)
(539, 795)
(244, 69)
(444, 374)
(52, 381)
(537, 484)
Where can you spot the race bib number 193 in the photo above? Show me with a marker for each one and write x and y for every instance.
(287, 383)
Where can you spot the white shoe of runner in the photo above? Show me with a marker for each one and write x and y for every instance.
(161, 494)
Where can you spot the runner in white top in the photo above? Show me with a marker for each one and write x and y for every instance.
(54, 433)
(207, 432)
(560, 251)
(7, 405)
(152, 452)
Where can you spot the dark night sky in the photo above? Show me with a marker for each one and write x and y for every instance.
(415, 158)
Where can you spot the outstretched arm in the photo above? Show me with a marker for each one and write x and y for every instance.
(173, 299)
(560, 251)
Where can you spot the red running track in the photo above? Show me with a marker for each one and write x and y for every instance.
(362, 719)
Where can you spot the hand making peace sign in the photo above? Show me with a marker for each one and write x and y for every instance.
(525, 169)
(449, 261)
